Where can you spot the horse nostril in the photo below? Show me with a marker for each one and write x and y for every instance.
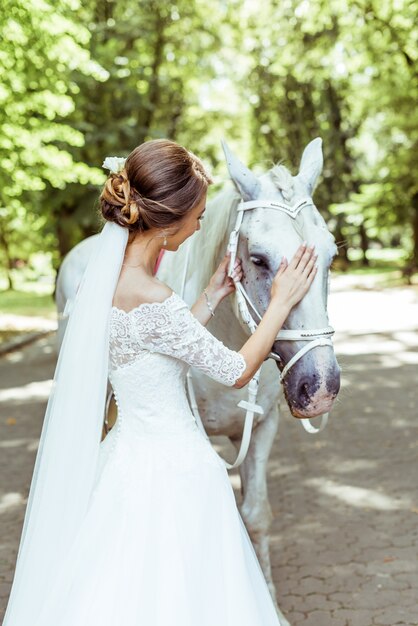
(306, 389)
(304, 392)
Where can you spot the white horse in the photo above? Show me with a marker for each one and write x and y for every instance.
(312, 384)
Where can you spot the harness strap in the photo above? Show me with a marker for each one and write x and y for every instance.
(321, 341)
(306, 423)
(294, 335)
(233, 240)
(283, 334)
(250, 406)
(244, 294)
(291, 210)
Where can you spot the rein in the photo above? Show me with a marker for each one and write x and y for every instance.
(315, 337)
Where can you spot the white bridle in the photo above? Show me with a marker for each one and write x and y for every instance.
(315, 337)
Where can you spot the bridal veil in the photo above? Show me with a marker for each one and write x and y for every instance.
(69, 443)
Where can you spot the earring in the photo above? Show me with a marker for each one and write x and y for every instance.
(165, 240)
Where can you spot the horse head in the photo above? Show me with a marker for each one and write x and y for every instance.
(313, 381)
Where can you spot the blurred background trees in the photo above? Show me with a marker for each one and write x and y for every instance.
(83, 80)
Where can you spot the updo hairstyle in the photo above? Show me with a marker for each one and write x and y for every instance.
(160, 183)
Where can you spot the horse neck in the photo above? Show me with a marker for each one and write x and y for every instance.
(220, 221)
(224, 325)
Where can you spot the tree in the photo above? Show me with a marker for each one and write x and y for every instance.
(388, 49)
(35, 90)
(156, 54)
(347, 74)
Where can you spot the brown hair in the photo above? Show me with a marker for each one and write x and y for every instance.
(159, 184)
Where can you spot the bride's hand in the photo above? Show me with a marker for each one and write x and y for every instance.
(293, 279)
(221, 284)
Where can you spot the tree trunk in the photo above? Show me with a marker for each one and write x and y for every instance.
(9, 264)
(364, 244)
(154, 83)
(414, 256)
(63, 229)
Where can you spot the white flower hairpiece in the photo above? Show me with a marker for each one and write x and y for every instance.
(114, 164)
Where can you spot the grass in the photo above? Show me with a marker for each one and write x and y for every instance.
(385, 266)
(8, 335)
(373, 268)
(30, 303)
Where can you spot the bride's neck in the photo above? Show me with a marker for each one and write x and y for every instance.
(142, 250)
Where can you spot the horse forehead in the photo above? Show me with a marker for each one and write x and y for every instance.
(268, 224)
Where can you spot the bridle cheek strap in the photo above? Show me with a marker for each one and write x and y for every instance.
(321, 341)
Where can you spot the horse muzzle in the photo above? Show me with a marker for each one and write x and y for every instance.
(313, 383)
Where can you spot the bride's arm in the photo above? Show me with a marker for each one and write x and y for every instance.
(200, 308)
(220, 286)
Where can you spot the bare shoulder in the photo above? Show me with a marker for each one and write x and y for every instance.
(156, 292)
(129, 296)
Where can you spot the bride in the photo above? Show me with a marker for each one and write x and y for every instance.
(141, 528)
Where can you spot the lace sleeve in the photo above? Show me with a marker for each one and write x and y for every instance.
(172, 329)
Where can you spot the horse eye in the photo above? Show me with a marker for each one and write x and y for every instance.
(259, 261)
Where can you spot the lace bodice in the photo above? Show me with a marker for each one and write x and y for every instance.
(150, 350)
(171, 329)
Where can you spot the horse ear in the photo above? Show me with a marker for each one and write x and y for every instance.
(242, 177)
(311, 163)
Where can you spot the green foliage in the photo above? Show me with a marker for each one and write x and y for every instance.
(42, 45)
(83, 80)
(28, 303)
(347, 73)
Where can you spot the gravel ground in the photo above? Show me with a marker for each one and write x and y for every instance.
(345, 535)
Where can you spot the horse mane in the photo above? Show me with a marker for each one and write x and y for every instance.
(206, 247)
(283, 180)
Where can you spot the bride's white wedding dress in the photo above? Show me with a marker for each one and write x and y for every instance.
(162, 542)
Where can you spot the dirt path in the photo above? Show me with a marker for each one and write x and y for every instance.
(345, 534)
(345, 537)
